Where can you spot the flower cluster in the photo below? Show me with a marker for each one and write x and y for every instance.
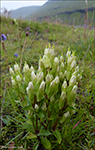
(51, 88)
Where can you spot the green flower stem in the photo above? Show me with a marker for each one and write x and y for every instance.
(37, 131)
(60, 115)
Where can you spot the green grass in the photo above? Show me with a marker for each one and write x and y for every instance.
(61, 36)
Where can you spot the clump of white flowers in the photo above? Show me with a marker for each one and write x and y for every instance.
(51, 88)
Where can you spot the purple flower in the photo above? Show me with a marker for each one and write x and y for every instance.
(28, 28)
(16, 55)
(3, 37)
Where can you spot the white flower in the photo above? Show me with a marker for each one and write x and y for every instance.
(69, 60)
(62, 65)
(58, 69)
(25, 68)
(67, 114)
(64, 85)
(18, 78)
(77, 69)
(40, 76)
(41, 63)
(72, 80)
(11, 71)
(73, 64)
(30, 86)
(65, 72)
(16, 67)
(13, 82)
(79, 76)
(61, 75)
(68, 53)
(61, 59)
(33, 76)
(56, 80)
(56, 61)
(36, 106)
(31, 69)
(42, 86)
(74, 90)
(63, 95)
(46, 51)
(49, 78)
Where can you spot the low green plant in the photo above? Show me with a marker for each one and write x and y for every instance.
(46, 97)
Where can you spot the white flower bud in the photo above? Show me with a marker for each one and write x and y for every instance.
(52, 98)
(72, 80)
(58, 69)
(64, 85)
(33, 76)
(56, 79)
(56, 61)
(61, 59)
(18, 78)
(36, 106)
(46, 51)
(73, 64)
(31, 69)
(40, 76)
(65, 72)
(63, 95)
(79, 77)
(11, 71)
(67, 114)
(25, 68)
(13, 82)
(69, 60)
(62, 65)
(41, 63)
(74, 90)
(61, 76)
(77, 69)
(49, 78)
(30, 86)
(16, 67)
(68, 53)
(42, 86)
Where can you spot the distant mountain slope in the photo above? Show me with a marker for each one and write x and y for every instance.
(23, 12)
(72, 11)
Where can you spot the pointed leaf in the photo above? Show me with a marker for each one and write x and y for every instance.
(46, 143)
(57, 134)
(44, 133)
(35, 147)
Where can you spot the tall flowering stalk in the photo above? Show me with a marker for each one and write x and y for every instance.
(47, 93)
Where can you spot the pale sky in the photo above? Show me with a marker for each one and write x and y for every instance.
(10, 5)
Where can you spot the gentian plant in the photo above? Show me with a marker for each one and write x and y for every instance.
(46, 96)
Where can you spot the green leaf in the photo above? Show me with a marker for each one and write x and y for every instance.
(46, 143)
(44, 133)
(27, 107)
(57, 134)
(27, 126)
(31, 136)
(35, 147)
